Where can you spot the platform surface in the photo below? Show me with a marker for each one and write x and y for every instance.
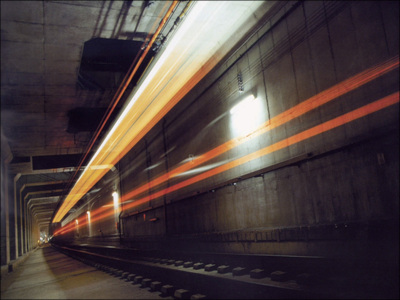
(49, 274)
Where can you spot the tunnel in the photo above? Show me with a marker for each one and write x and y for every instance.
(200, 149)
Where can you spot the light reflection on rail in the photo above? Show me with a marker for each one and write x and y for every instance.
(294, 112)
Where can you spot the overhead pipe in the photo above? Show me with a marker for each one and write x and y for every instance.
(124, 85)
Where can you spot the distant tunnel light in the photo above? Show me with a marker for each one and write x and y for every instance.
(246, 116)
(76, 222)
(88, 216)
(200, 42)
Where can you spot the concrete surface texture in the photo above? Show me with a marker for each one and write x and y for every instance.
(301, 208)
(43, 47)
(49, 274)
(315, 175)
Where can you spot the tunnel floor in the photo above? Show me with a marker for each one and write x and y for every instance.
(49, 274)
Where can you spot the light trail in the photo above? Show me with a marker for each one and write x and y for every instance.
(71, 198)
(329, 125)
(314, 102)
(124, 84)
(195, 48)
(302, 136)
(294, 112)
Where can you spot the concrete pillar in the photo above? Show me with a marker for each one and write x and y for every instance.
(25, 225)
(35, 232)
(11, 212)
(5, 213)
(28, 232)
(31, 218)
(5, 245)
(15, 208)
(21, 224)
(6, 157)
(31, 246)
(32, 242)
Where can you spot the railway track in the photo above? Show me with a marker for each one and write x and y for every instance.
(229, 276)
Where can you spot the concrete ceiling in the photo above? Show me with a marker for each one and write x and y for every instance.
(42, 43)
(51, 102)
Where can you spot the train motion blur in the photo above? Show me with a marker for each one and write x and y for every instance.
(285, 143)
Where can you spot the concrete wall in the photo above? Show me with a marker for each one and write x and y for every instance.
(329, 189)
(296, 182)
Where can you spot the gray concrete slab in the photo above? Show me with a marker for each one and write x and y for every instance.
(49, 274)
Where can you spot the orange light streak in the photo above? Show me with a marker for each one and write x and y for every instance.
(127, 79)
(296, 111)
(336, 122)
(121, 89)
(178, 66)
(302, 136)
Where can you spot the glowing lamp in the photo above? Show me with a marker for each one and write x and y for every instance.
(246, 116)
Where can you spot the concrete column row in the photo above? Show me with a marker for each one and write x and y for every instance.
(19, 231)
(9, 225)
